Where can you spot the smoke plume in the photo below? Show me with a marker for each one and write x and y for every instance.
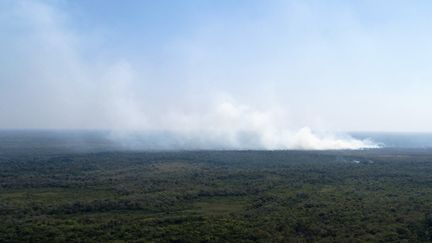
(57, 85)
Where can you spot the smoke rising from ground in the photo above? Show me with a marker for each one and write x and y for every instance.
(56, 85)
(228, 125)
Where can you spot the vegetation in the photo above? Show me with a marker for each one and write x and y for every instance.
(271, 196)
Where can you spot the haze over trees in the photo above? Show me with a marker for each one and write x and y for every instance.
(215, 121)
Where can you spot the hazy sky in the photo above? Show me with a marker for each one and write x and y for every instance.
(190, 66)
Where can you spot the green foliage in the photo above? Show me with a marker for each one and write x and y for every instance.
(217, 196)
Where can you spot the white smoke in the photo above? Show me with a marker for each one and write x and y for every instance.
(228, 125)
(59, 88)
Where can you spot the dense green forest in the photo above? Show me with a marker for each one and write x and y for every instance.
(217, 196)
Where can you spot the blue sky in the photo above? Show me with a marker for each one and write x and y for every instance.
(172, 65)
